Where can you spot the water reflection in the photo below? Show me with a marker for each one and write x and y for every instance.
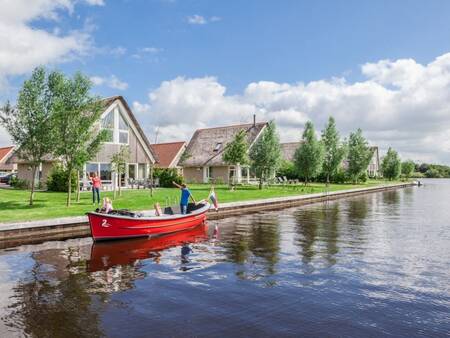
(318, 222)
(299, 271)
(254, 246)
(54, 299)
(357, 209)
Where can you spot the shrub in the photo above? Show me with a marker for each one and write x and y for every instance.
(167, 176)
(287, 168)
(433, 173)
(340, 176)
(18, 183)
(363, 177)
(57, 180)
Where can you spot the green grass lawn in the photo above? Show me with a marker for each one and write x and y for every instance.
(14, 203)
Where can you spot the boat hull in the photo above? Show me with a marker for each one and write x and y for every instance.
(105, 255)
(107, 227)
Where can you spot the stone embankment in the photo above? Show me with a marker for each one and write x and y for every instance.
(70, 227)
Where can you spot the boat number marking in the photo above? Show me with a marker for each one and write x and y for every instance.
(105, 223)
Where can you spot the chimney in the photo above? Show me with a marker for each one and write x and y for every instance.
(254, 120)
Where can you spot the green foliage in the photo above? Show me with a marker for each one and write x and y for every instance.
(391, 165)
(119, 160)
(287, 168)
(58, 178)
(363, 177)
(309, 156)
(167, 176)
(236, 152)
(359, 155)
(29, 123)
(433, 170)
(265, 154)
(408, 168)
(334, 150)
(75, 115)
(18, 183)
(340, 176)
(433, 173)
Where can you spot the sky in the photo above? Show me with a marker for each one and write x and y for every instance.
(383, 66)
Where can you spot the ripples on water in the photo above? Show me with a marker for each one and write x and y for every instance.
(374, 265)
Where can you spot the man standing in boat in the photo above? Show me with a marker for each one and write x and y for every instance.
(185, 194)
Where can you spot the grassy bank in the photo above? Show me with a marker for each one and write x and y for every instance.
(14, 203)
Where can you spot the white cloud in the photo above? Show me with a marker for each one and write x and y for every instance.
(201, 20)
(111, 82)
(95, 2)
(148, 53)
(24, 47)
(401, 103)
(118, 51)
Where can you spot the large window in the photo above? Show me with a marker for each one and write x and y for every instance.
(209, 173)
(91, 168)
(132, 171)
(116, 126)
(108, 125)
(105, 172)
(141, 171)
(123, 130)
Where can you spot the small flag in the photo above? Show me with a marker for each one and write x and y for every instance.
(213, 198)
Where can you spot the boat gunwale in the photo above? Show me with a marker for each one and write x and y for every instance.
(163, 217)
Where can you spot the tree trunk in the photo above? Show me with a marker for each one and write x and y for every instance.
(69, 188)
(260, 183)
(119, 182)
(328, 180)
(33, 182)
(78, 186)
(114, 186)
(151, 180)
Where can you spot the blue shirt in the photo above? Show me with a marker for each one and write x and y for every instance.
(185, 193)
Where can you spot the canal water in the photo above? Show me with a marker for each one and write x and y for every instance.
(373, 265)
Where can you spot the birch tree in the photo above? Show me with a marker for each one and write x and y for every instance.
(236, 152)
(75, 117)
(265, 154)
(334, 150)
(308, 158)
(30, 123)
(359, 155)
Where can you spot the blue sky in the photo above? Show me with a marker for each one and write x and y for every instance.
(282, 41)
(215, 52)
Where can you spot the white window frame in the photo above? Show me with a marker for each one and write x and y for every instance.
(116, 131)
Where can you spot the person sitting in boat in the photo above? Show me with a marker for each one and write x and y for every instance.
(107, 205)
(185, 194)
(158, 211)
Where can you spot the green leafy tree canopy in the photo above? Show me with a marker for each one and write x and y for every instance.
(359, 155)
(76, 114)
(391, 165)
(308, 157)
(29, 124)
(408, 168)
(334, 150)
(265, 154)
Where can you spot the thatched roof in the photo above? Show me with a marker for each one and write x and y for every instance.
(207, 145)
(288, 150)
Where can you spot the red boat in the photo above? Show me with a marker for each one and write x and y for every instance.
(127, 252)
(119, 224)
